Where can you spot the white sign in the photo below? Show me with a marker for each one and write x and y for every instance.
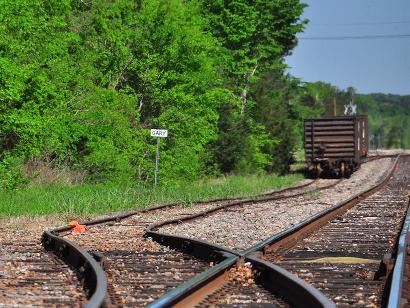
(161, 133)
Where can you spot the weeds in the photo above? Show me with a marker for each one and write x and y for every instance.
(86, 199)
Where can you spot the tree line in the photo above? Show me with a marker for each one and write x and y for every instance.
(82, 82)
(388, 114)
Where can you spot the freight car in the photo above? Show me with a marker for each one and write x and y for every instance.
(335, 145)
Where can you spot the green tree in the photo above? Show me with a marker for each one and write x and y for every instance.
(178, 88)
(81, 83)
(388, 118)
(255, 35)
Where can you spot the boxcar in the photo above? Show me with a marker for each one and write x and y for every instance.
(335, 145)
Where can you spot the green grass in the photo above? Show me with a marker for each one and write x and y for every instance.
(300, 163)
(92, 199)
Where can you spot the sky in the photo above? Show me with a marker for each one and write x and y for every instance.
(370, 65)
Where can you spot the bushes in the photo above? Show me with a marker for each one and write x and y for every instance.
(102, 198)
(81, 84)
(12, 173)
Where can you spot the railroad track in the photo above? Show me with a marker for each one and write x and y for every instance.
(399, 295)
(138, 270)
(159, 268)
(241, 224)
(350, 257)
(227, 225)
(30, 276)
(367, 259)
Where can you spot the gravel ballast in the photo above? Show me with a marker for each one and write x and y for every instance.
(241, 227)
(31, 276)
(238, 228)
(138, 269)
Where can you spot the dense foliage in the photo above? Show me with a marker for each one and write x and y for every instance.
(389, 123)
(255, 125)
(81, 83)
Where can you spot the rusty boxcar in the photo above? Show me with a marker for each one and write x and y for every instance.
(335, 144)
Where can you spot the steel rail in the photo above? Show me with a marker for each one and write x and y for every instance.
(272, 277)
(287, 189)
(198, 248)
(186, 294)
(92, 274)
(295, 290)
(269, 193)
(150, 230)
(396, 286)
(288, 237)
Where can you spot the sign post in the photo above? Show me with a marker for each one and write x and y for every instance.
(159, 133)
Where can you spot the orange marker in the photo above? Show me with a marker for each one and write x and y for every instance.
(77, 228)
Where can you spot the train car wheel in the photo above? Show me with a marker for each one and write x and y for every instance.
(318, 170)
(342, 170)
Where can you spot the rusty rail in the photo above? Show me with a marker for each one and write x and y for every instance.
(396, 294)
(151, 230)
(94, 278)
(187, 294)
(92, 274)
(295, 290)
(289, 236)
